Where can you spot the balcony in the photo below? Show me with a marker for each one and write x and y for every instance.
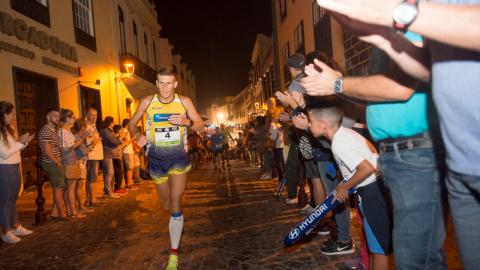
(142, 70)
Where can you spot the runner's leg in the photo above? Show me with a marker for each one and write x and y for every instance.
(177, 183)
(163, 191)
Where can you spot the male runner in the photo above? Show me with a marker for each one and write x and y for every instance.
(168, 117)
(219, 144)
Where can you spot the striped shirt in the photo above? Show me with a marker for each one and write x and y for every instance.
(49, 135)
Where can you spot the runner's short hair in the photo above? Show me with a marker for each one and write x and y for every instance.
(165, 72)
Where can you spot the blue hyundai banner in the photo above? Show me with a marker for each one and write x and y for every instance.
(311, 221)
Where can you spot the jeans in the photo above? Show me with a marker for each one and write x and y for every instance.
(294, 170)
(268, 160)
(92, 170)
(108, 172)
(9, 188)
(414, 179)
(279, 162)
(464, 199)
(341, 213)
(118, 172)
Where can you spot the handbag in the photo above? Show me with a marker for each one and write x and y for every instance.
(70, 163)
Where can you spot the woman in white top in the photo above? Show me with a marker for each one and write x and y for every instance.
(10, 178)
(69, 143)
(276, 134)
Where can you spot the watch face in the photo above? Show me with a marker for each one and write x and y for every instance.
(405, 13)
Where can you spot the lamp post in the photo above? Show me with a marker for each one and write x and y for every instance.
(129, 71)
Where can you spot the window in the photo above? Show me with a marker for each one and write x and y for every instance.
(135, 38)
(283, 9)
(145, 42)
(123, 40)
(43, 2)
(84, 24)
(154, 54)
(286, 55)
(36, 10)
(84, 16)
(299, 39)
(318, 13)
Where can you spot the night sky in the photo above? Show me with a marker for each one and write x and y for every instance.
(215, 39)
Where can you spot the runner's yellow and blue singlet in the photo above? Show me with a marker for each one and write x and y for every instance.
(165, 140)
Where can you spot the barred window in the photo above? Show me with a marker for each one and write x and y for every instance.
(84, 16)
(43, 2)
(318, 13)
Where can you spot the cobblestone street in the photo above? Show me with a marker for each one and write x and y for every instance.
(232, 221)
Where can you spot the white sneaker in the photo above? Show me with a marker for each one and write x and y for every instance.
(266, 176)
(10, 238)
(21, 231)
(308, 209)
(292, 201)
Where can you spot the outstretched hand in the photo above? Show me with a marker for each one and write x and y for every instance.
(286, 98)
(320, 83)
(26, 138)
(369, 11)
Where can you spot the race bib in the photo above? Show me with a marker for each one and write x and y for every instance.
(167, 136)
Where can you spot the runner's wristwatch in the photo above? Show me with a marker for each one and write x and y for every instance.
(404, 14)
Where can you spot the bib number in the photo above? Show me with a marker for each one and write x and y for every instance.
(167, 136)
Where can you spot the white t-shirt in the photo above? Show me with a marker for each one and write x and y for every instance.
(276, 134)
(349, 150)
(128, 149)
(97, 151)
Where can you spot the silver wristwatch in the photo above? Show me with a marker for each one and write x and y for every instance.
(338, 86)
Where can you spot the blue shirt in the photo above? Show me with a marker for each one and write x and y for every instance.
(396, 119)
(218, 141)
(456, 93)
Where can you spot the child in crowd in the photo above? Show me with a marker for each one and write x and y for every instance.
(357, 159)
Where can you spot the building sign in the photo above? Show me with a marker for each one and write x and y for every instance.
(5, 46)
(53, 63)
(19, 29)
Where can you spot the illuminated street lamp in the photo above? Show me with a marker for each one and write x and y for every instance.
(220, 117)
(130, 69)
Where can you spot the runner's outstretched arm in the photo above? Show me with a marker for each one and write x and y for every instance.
(192, 114)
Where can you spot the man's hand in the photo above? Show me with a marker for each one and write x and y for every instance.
(300, 121)
(179, 120)
(342, 193)
(284, 117)
(370, 11)
(58, 162)
(286, 98)
(320, 83)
